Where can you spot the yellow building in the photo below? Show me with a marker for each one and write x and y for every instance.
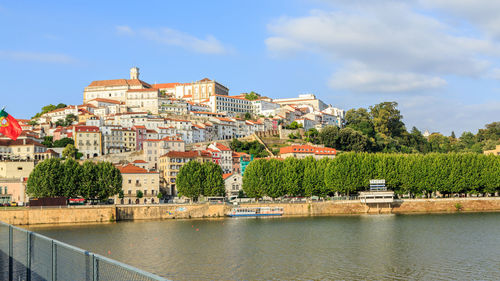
(138, 179)
(88, 141)
(129, 139)
(495, 151)
(171, 163)
(21, 149)
(16, 169)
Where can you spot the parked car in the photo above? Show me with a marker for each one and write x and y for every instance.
(13, 204)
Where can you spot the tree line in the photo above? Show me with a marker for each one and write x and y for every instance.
(195, 179)
(380, 129)
(409, 174)
(55, 177)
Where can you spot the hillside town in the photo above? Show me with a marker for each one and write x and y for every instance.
(149, 131)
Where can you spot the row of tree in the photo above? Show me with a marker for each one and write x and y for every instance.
(195, 179)
(380, 129)
(413, 174)
(55, 177)
(250, 147)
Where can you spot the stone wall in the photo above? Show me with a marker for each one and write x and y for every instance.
(54, 215)
(183, 211)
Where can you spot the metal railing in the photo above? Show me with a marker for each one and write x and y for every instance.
(25, 255)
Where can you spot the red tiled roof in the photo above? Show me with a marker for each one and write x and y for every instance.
(132, 169)
(165, 85)
(143, 90)
(185, 154)
(140, 161)
(119, 82)
(171, 139)
(93, 129)
(106, 100)
(225, 176)
(309, 149)
(17, 142)
(222, 147)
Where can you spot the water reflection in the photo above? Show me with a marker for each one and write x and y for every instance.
(385, 247)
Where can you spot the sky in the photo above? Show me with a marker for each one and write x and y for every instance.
(438, 59)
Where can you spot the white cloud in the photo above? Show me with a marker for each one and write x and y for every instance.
(438, 114)
(388, 82)
(172, 37)
(124, 29)
(37, 57)
(481, 13)
(392, 42)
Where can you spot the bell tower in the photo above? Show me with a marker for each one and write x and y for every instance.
(134, 73)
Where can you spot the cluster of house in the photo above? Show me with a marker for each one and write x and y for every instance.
(157, 121)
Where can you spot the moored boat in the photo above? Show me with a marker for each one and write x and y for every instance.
(255, 211)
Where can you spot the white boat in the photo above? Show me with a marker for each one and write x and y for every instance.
(256, 211)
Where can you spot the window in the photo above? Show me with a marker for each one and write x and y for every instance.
(129, 192)
(19, 168)
(129, 181)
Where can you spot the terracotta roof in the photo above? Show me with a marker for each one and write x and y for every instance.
(165, 85)
(143, 90)
(132, 169)
(86, 129)
(224, 119)
(119, 82)
(204, 112)
(309, 149)
(185, 154)
(106, 100)
(171, 139)
(18, 142)
(139, 127)
(140, 161)
(225, 176)
(222, 147)
(151, 131)
(239, 154)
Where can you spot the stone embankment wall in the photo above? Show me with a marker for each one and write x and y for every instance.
(54, 215)
(330, 208)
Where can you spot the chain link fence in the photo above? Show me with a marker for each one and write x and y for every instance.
(28, 256)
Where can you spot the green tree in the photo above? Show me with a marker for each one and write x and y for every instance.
(46, 179)
(70, 151)
(274, 178)
(63, 142)
(190, 180)
(254, 184)
(329, 136)
(47, 141)
(89, 177)
(139, 194)
(248, 116)
(109, 180)
(312, 136)
(293, 176)
(71, 178)
(352, 140)
(252, 96)
(360, 120)
(213, 184)
(387, 118)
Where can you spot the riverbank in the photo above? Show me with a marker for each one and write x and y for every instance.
(35, 216)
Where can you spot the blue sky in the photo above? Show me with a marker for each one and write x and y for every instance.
(439, 59)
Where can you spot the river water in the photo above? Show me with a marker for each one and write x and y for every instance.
(462, 246)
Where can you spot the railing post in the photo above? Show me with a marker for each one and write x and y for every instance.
(28, 256)
(11, 253)
(95, 268)
(54, 261)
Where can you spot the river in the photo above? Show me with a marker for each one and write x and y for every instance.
(463, 246)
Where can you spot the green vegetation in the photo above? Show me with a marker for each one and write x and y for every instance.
(139, 194)
(49, 108)
(48, 142)
(68, 121)
(254, 148)
(293, 126)
(252, 96)
(70, 151)
(53, 177)
(195, 179)
(406, 174)
(381, 129)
